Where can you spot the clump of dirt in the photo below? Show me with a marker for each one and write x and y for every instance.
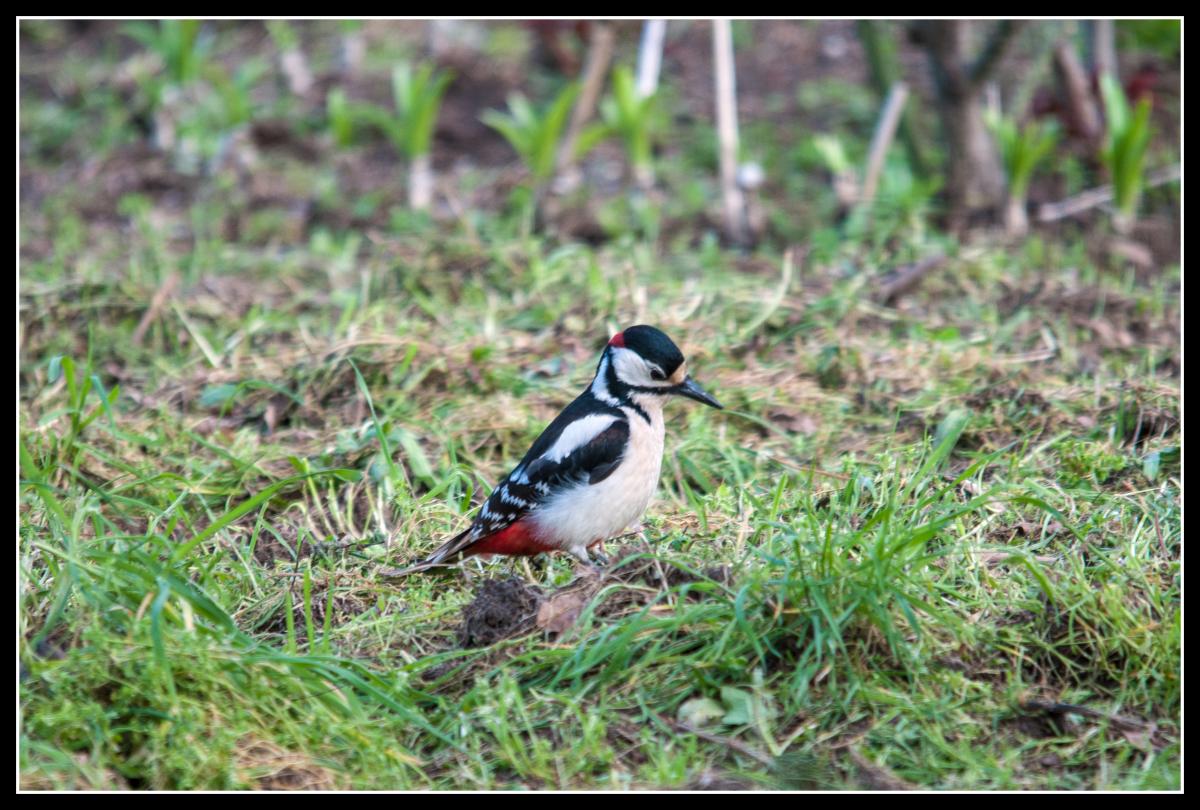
(510, 608)
(501, 609)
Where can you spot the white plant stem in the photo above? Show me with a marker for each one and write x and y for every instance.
(420, 183)
(650, 56)
(727, 133)
(885, 132)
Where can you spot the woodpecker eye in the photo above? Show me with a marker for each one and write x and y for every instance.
(655, 374)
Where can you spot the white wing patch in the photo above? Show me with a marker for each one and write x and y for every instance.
(577, 434)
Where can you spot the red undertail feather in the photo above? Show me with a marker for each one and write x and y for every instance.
(516, 540)
(618, 340)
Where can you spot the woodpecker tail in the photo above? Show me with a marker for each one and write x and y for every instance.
(442, 556)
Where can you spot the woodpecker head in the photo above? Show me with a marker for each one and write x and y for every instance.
(642, 361)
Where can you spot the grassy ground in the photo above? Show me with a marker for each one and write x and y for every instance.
(933, 543)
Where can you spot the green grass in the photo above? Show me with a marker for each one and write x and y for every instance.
(927, 515)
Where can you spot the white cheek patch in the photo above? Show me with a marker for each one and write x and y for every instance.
(629, 367)
(633, 370)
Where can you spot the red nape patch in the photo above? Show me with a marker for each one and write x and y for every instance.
(515, 541)
(618, 340)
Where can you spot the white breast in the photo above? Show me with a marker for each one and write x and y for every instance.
(580, 516)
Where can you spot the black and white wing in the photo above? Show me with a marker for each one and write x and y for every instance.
(583, 451)
(581, 447)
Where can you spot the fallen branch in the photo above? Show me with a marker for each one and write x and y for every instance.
(1093, 198)
(905, 278)
(1120, 722)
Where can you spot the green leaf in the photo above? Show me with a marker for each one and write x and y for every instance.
(218, 395)
(1126, 140)
(341, 120)
(1154, 464)
(590, 137)
(533, 136)
(1151, 465)
(739, 706)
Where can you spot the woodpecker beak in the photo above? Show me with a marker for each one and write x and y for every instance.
(691, 389)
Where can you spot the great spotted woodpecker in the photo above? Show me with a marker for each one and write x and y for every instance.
(593, 471)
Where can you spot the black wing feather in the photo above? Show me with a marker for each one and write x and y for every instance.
(591, 463)
(512, 500)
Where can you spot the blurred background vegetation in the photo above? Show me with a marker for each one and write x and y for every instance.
(295, 294)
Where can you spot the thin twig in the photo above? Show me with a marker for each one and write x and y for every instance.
(1093, 198)
(600, 51)
(165, 291)
(885, 131)
(1122, 722)
(212, 357)
(729, 742)
(905, 278)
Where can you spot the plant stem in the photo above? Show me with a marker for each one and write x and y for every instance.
(420, 182)
(727, 133)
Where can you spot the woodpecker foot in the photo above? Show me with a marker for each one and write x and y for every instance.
(600, 557)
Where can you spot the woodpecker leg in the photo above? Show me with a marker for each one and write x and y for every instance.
(524, 563)
(536, 570)
(477, 564)
(581, 553)
(596, 552)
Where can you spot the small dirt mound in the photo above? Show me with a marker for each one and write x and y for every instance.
(501, 609)
(509, 608)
